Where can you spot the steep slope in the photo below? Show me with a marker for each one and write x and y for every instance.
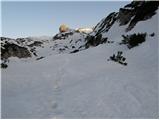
(86, 84)
(124, 21)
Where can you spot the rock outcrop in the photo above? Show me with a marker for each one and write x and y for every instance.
(139, 11)
(13, 50)
(127, 16)
(63, 28)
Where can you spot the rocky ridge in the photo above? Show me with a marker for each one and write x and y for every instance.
(72, 41)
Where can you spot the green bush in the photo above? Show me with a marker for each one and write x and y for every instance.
(3, 65)
(152, 35)
(134, 39)
(118, 58)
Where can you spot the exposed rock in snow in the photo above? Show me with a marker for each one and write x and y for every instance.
(10, 48)
(127, 17)
(13, 50)
(105, 24)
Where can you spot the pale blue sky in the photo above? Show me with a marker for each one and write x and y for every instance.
(22, 19)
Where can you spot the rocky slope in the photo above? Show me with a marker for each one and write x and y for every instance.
(73, 41)
(127, 17)
(66, 42)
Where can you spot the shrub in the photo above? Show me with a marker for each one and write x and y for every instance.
(153, 34)
(118, 58)
(4, 65)
(133, 40)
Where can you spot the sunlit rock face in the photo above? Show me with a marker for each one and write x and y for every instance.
(85, 30)
(63, 28)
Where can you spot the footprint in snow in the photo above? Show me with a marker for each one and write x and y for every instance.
(54, 105)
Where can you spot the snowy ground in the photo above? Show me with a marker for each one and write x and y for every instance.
(85, 84)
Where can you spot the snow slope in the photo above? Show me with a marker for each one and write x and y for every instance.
(85, 84)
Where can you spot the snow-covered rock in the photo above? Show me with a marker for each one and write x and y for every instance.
(85, 30)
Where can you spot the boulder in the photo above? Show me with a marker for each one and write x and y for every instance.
(13, 50)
